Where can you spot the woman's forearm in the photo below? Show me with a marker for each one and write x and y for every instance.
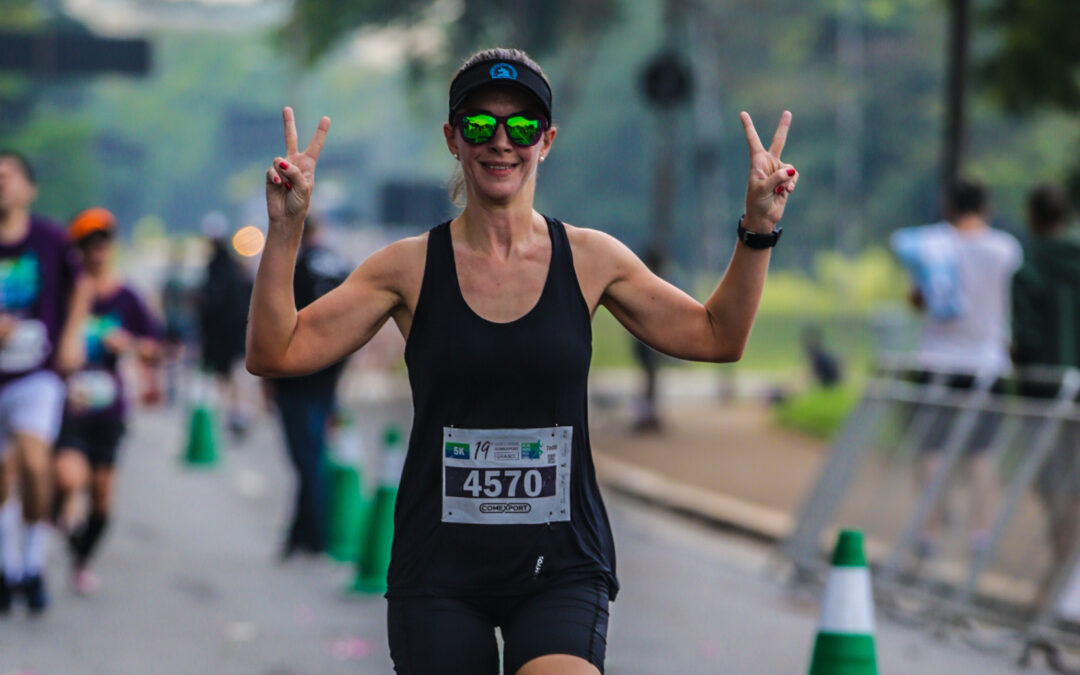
(734, 304)
(272, 317)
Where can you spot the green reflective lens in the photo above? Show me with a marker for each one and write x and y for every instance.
(522, 130)
(477, 128)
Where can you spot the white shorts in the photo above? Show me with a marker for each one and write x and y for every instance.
(32, 405)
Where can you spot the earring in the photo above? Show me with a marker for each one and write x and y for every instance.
(542, 158)
(456, 156)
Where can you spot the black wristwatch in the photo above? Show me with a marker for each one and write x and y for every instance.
(757, 239)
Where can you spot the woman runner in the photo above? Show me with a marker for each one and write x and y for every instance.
(96, 410)
(499, 520)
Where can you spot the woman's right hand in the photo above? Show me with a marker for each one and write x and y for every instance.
(290, 180)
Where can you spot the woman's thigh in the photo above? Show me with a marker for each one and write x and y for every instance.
(568, 621)
(435, 636)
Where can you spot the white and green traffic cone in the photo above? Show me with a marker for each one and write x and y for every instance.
(374, 560)
(201, 449)
(845, 639)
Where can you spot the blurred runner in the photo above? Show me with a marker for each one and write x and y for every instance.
(43, 305)
(825, 368)
(499, 521)
(961, 270)
(222, 305)
(306, 403)
(1046, 331)
(96, 410)
(178, 305)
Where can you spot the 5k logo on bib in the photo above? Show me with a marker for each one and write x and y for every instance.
(457, 450)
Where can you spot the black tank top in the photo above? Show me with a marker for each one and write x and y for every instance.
(468, 373)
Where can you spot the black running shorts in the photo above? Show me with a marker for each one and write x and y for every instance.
(430, 635)
(97, 440)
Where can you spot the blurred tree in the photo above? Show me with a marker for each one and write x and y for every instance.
(1037, 64)
(20, 13)
(1038, 61)
(34, 119)
(533, 25)
(537, 26)
(956, 89)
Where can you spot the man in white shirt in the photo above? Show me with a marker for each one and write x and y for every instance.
(974, 343)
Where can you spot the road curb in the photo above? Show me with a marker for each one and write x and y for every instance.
(719, 510)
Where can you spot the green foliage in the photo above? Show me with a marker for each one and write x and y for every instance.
(611, 343)
(60, 150)
(844, 298)
(818, 411)
(21, 13)
(387, 124)
(840, 285)
(537, 26)
(1038, 61)
(318, 25)
(1036, 65)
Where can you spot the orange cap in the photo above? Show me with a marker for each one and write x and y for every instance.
(90, 221)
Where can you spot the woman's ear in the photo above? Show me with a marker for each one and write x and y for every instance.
(549, 138)
(451, 139)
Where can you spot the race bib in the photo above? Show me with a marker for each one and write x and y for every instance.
(91, 390)
(506, 476)
(26, 347)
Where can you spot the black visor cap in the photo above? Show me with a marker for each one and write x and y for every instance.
(502, 72)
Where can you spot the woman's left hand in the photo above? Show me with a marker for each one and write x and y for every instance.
(771, 180)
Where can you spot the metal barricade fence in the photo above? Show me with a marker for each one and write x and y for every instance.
(968, 490)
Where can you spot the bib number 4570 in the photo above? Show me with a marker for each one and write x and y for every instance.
(496, 483)
(503, 482)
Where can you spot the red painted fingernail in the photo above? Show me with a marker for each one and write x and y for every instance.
(779, 189)
(791, 172)
(276, 179)
(284, 165)
(288, 185)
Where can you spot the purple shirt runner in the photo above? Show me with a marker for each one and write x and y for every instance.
(37, 275)
(97, 390)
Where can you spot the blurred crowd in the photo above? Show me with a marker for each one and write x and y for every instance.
(78, 343)
(997, 309)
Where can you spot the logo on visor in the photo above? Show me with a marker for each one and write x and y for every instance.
(503, 71)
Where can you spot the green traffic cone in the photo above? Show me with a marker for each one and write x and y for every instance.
(375, 554)
(348, 512)
(202, 437)
(845, 639)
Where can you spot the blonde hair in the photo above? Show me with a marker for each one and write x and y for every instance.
(456, 184)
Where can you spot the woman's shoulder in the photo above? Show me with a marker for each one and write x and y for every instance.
(408, 247)
(587, 238)
(596, 245)
(398, 263)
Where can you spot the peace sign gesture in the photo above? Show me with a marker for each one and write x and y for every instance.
(771, 181)
(290, 179)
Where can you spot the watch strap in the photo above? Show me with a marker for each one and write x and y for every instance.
(758, 239)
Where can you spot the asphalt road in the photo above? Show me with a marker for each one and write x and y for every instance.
(191, 585)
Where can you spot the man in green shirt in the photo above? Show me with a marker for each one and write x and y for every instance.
(1046, 331)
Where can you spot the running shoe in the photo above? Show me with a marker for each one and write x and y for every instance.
(83, 582)
(33, 589)
(5, 596)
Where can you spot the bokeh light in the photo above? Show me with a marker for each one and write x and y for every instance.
(248, 241)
